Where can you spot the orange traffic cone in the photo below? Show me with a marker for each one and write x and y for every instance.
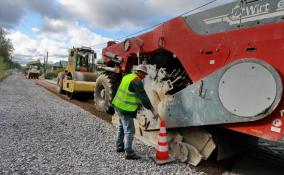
(163, 149)
(162, 154)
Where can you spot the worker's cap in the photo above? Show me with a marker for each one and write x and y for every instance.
(141, 68)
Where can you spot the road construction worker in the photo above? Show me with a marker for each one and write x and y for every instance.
(129, 96)
(78, 63)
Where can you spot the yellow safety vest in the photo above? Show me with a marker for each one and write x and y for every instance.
(124, 99)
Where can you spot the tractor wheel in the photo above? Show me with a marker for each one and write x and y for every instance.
(103, 93)
(60, 83)
(70, 95)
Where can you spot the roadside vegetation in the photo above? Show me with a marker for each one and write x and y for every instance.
(6, 61)
(50, 75)
(3, 71)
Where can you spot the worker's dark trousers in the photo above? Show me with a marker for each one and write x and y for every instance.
(125, 134)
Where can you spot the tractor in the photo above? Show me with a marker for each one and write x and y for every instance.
(214, 76)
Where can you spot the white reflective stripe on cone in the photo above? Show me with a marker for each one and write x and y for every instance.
(163, 148)
(163, 139)
(163, 130)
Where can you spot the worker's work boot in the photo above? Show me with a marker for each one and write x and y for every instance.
(120, 150)
(132, 157)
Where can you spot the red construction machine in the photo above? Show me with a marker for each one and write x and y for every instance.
(212, 75)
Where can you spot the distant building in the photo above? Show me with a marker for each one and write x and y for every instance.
(59, 66)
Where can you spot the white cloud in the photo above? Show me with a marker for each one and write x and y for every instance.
(129, 14)
(62, 30)
(56, 42)
(23, 44)
(12, 11)
(106, 14)
(35, 30)
(111, 14)
(71, 33)
(173, 7)
(26, 48)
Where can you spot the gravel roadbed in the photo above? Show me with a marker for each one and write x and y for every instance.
(43, 134)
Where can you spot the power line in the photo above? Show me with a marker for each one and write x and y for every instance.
(22, 55)
(129, 35)
(40, 56)
(56, 55)
(148, 28)
(208, 3)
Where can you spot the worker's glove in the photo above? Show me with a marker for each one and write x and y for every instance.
(156, 115)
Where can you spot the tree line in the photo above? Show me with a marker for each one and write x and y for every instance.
(6, 50)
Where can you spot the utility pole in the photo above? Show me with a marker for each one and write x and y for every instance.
(46, 60)
(43, 64)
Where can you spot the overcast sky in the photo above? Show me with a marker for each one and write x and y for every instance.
(36, 26)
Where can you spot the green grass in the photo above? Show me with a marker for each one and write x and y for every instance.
(4, 74)
(49, 75)
(3, 69)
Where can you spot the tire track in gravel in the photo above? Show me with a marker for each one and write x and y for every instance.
(43, 134)
(88, 104)
(234, 165)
